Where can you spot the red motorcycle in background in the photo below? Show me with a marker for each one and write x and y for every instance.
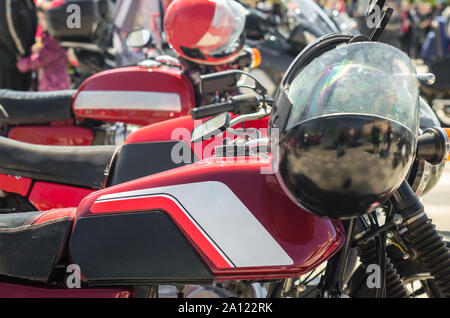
(154, 91)
(157, 89)
(65, 175)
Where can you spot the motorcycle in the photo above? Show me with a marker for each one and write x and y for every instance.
(100, 110)
(75, 172)
(175, 209)
(212, 259)
(91, 40)
(121, 216)
(97, 242)
(280, 39)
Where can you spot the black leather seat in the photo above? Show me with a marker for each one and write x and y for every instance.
(78, 166)
(31, 244)
(35, 107)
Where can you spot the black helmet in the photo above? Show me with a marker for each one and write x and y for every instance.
(347, 118)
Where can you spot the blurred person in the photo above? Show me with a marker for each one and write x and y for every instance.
(425, 14)
(393, 32)
(446, 12)
(409, 20)
(277, 8)
(406, 27)
(48, 58)
(338, 5)
(439, 7)
(352, 7)
(18, 23)
(415, 31)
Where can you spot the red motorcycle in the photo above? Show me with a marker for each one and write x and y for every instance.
(31, 175)
(234, 216)
(157, 90)
(65, 175)
(259, 209)
(170, 207)
(154, 91)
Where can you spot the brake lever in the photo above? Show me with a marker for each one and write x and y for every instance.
(263, 112)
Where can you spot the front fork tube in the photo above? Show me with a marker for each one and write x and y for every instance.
(331, 284)
(420, 236)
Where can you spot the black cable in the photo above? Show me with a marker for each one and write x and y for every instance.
(382, 239)
(259, 86)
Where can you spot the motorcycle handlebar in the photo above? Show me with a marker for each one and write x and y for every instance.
(239, 105)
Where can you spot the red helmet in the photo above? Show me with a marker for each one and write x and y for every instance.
(206, 31)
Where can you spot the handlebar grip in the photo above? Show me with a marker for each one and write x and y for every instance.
(239, 105)
(433, 145)
(211, 110)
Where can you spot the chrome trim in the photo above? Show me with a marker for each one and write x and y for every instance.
(419, 276)
(86, 46)
(422, 177)
(128, 100)
(415, 218)
(428, 78)
(447, 142)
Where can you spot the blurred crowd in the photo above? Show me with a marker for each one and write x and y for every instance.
(27, 49)
(30, 58)
(409, 25)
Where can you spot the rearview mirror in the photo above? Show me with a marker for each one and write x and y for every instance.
(219, 82)
(139, 38)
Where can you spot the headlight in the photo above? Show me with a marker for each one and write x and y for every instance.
(419, 176)
(436, 172)
(424, 176)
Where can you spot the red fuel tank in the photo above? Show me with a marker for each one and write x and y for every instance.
(135, 95)
(233, 213)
